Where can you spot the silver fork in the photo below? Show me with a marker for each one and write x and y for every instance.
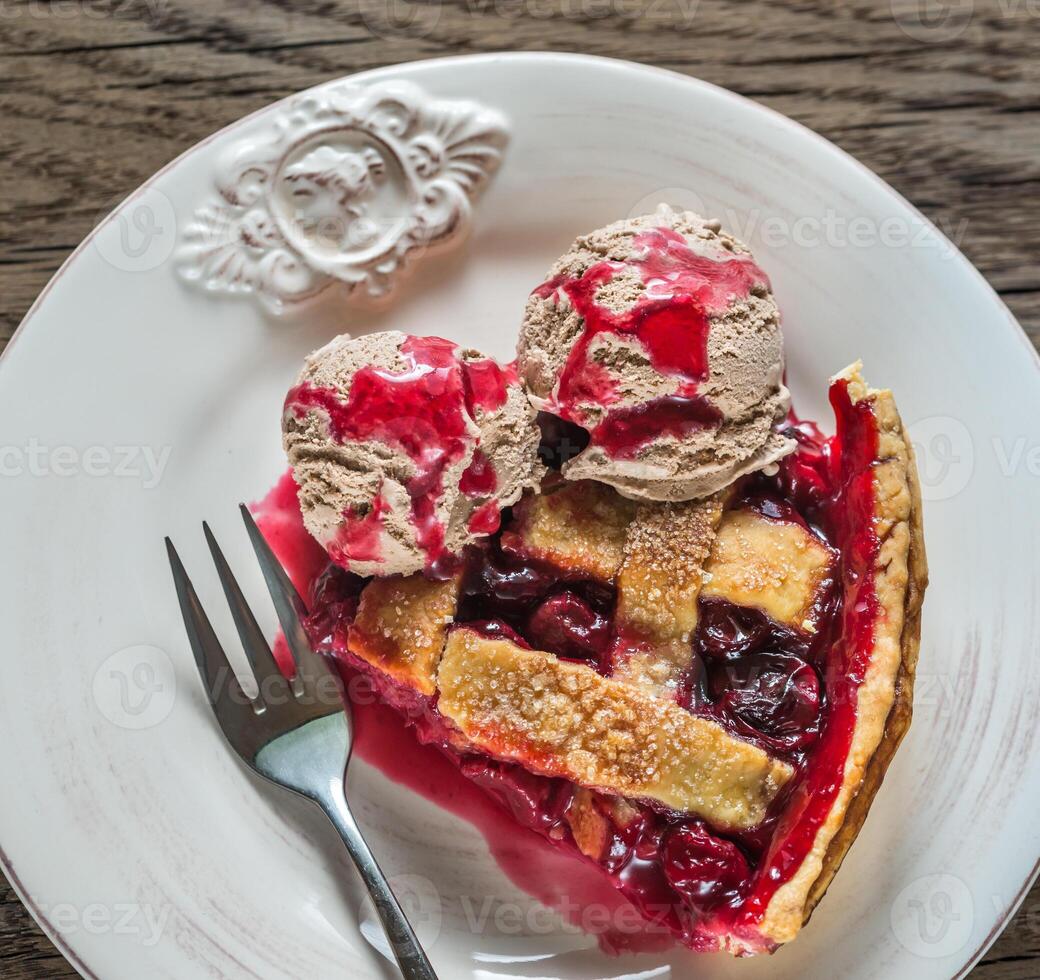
(296, 733)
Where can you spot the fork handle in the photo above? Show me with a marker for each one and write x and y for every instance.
(409, 954)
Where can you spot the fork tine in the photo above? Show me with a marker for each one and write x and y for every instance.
(287, 602)
(256, 646)
(218, 677)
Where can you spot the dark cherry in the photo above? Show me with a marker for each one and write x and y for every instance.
(775, 695)
(725, 631)
(706, 870)
(565, 624)
(694, 694)
(496, 583)
(500, 584)
(807, 478)
(333, 599)
(336, 589)
(534, 801)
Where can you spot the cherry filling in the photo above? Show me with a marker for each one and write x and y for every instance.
(479, 478)
(565, 624)
(333, 599)
(533, 800)
(785, 691)
(532, 595)
(706, 870)
(773, 699)
(725, 631)
(497, 584)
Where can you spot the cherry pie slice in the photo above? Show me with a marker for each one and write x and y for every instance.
(700, 697)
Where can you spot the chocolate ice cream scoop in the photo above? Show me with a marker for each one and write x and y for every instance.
(406, 449)
(659, 335)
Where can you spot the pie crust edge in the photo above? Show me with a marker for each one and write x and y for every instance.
(885, 698)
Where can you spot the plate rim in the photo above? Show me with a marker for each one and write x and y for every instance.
(63, 946)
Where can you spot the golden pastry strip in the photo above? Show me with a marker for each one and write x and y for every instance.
(666, 547)
(771, 565)
(401, 625)
(657, 668)
(580, 528)
(564, 719)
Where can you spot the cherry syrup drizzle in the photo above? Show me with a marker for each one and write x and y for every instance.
(426, 411)
(792, 694)
(671, 321)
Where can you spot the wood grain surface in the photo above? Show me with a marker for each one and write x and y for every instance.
(939, 97)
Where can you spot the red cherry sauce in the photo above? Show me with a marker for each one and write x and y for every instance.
(793, 695)
(486, 519)
(427, 412)
(479, 479)
(486, 383)
(670, 320)
(625, 430)
(359, 536)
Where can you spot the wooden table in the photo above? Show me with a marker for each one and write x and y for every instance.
(939, 99)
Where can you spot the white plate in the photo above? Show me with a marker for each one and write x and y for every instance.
(148, 852)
